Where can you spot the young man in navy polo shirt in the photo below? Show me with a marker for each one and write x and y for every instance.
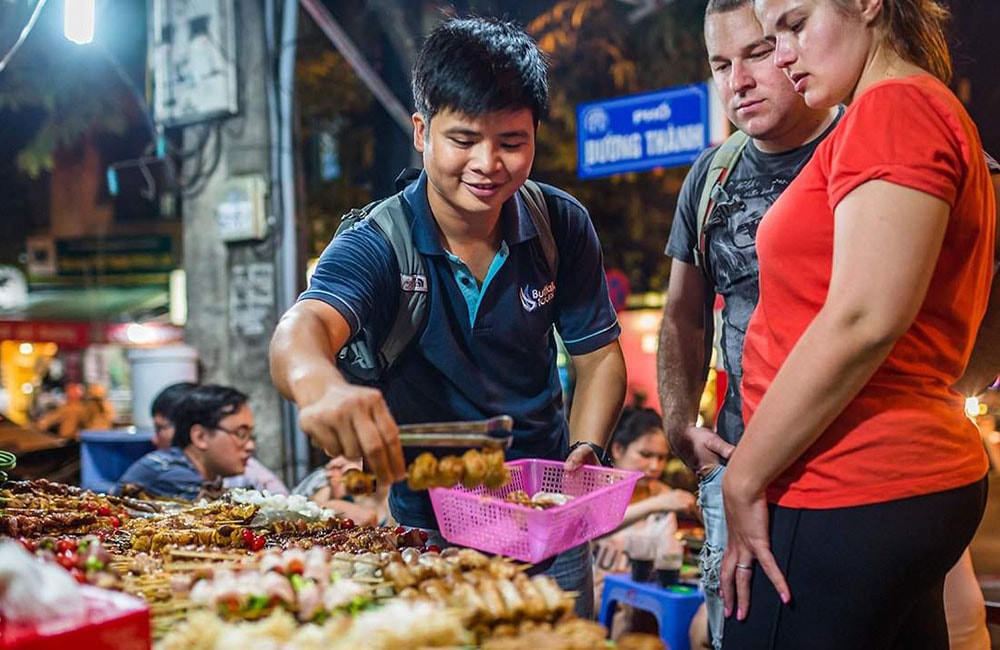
(487, 348)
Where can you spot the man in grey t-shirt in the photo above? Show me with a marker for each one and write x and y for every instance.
(760, 100)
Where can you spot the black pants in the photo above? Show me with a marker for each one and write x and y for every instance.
(869, 577)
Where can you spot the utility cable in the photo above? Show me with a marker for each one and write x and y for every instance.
(24, 35)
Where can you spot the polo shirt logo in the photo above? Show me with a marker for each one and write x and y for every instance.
(532, 299)
(413, 283)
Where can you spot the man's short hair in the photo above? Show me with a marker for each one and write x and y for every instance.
(475, 66)
(167, 399)
(722, 6)
(205, 405)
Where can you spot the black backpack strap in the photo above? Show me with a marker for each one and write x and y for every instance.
(359, 358)
(395, 221)
(723, 161)
(534, 199)
(365, 359)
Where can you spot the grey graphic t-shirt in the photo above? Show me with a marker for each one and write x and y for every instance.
(731, 233)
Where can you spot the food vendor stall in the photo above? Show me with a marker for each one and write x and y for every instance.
(253, 569)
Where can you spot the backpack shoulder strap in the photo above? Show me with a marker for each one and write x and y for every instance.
(534, 199)
(394, 220)
(364, 358)
(723, 161)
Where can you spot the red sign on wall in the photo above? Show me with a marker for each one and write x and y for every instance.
(69, 334)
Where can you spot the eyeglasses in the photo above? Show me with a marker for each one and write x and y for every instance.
(243, 435)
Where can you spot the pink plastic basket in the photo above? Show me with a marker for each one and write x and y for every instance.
(480, 518)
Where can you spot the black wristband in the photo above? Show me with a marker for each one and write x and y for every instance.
(602, 455)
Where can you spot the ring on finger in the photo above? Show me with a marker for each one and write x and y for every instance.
(745, 567)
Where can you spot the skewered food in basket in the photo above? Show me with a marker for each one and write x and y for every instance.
(539, 501)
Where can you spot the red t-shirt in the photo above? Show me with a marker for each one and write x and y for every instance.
(905, 433)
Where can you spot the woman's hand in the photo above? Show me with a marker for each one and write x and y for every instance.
(671, 501)
(749, 542)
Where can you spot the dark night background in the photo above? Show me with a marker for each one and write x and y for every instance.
(121, 28)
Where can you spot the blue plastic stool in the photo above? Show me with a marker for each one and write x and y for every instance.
(673, 607)
(106, 454)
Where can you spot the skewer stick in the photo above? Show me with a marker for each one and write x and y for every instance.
(172, 607)
(179, 567)
(205, 555)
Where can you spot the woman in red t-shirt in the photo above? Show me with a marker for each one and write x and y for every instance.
(859, 480)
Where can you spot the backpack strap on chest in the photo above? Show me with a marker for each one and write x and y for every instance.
(364, 359)
(534, 200)
(719, 169)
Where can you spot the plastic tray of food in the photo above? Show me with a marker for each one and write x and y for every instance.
(113, 621)
(502, 521)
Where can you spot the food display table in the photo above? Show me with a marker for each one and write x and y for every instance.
(258, 570)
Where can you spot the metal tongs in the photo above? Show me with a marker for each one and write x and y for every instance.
(494, 433)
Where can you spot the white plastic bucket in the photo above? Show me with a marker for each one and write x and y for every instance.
(153, 369)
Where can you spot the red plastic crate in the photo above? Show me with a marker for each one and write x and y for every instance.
(114, 621)
(480, 518)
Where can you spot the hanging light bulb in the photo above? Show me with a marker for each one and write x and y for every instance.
(78, 21)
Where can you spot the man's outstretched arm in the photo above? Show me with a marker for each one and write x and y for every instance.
(339, 417)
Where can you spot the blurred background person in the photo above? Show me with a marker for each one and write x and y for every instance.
(213, 439)
(639, 444)
(162, 410)
(326, 486)
(98, 412)
(256, 475)
(195, 459)
(67, 419)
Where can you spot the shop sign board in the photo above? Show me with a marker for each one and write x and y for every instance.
(69, 334)
(115, 255)
(664, 128)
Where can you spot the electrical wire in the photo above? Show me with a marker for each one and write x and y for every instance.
(197, 183)
(24, 35)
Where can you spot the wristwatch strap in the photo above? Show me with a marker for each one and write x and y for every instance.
(599, 451)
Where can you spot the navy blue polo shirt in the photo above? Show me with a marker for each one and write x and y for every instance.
(484, 350)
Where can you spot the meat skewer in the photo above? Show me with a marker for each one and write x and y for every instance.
(473, 468)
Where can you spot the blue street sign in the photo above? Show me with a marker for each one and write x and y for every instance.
(664, 128)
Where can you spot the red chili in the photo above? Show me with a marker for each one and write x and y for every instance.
(103, 510)
(115, 521)
(257, 543)
(67, 559)
(66, 544)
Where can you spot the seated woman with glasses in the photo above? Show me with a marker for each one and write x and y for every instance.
(213, 439)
